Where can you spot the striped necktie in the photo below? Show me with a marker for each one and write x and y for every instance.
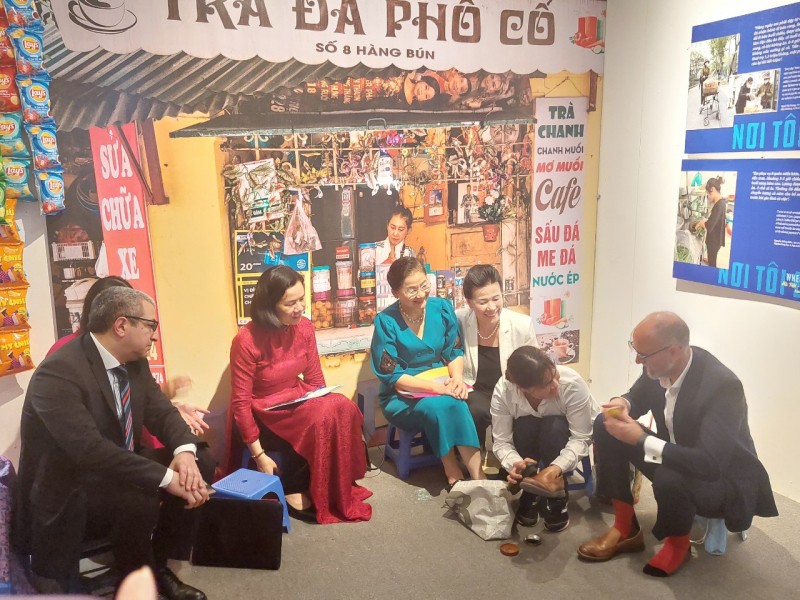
(126, 419)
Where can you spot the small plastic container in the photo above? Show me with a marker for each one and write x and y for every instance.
(344, 274)
(322, 310)
(366, 283)
(344, 312)
(321, 279)
(366, 256)
(367, 309)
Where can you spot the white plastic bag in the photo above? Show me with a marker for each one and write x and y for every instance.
(484, 507)
(300, 233)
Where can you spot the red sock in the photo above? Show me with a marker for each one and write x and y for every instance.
(670, 557)
(623, 517)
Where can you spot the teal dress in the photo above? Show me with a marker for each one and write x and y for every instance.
(397, 351)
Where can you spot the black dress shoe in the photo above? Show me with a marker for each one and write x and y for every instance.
(309, 515)
(172, 588)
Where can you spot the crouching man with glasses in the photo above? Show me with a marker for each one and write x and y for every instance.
(701, 461)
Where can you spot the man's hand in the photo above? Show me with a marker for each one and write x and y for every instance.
(616, 408)
(193, 498)
(193, 416)
(188, 475)
(623, 427)
(515, 476)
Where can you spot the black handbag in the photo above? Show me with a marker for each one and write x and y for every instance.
(239, 534)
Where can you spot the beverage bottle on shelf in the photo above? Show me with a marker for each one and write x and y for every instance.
(347, 213)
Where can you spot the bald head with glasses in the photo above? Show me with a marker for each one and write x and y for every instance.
(660, 343)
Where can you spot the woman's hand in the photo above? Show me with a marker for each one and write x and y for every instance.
(193, 416)
(456, 387)
(177, 385)
(266, 465)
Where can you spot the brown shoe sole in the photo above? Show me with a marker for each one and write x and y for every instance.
(533, 488)
(632, 544)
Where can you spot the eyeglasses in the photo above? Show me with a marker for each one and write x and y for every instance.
(153, 325)
(644, 357)
(413, 292)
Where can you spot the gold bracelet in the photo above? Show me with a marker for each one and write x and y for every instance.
(258, 455)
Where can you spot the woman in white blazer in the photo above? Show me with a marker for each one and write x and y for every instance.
(489, 334)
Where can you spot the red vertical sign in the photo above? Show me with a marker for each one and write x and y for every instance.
(123, 214)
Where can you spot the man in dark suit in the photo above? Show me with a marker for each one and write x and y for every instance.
(83, 473)
(702, 460)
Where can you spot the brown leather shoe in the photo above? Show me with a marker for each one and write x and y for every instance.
(549, 483)
(608, 545)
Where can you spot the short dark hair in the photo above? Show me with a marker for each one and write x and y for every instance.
(480, 276)
(401, 211)
(113, 303)
(528, 367)
(401, 269)
(98, 286)
(271, 287)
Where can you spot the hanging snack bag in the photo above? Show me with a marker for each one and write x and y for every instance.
(44, 145)
(22, 13)
(35, 94)
(13, 314)
(6, 48)
(11, 143)
(17, 172)
(28, 46)
(50, 185)
(11, 273)
(3, 199)
(9, 94)
(3, 17)
(15, 352)
(8, 230)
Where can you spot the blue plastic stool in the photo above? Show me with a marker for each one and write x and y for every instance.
(400, 443)
(716, 538)
(584, 469)
(6, 588)
(253, 485)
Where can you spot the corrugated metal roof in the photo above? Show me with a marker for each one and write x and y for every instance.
(98, 87)
(284, 123)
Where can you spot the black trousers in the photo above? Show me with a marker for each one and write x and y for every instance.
(713, 251)
(144, 527)
(479, 404)
(540, 438)
(679, 497)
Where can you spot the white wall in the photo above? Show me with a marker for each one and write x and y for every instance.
(40, 306)
(643, 126)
